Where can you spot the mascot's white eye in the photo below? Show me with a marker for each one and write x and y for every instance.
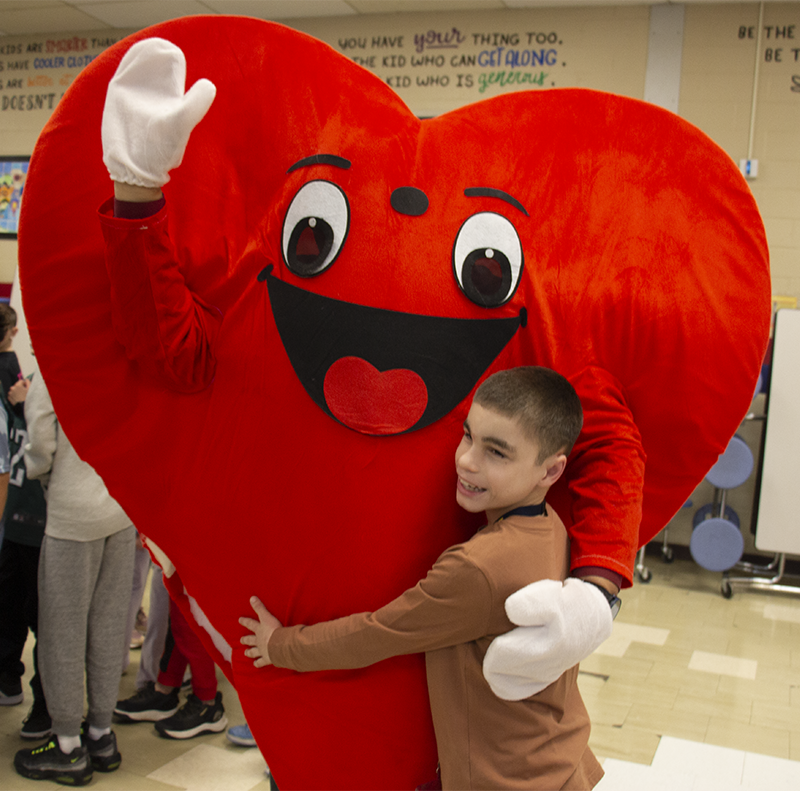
(315, 228)
(487, 259)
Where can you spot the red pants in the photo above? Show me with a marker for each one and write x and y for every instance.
(187, 650)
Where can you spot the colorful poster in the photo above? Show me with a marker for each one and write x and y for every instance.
(13, 172)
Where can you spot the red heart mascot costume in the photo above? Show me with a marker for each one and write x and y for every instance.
(271, 372)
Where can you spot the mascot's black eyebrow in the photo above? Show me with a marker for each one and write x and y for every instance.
(321, 159)
(490, 192)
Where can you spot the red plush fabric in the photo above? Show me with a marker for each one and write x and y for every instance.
(645, 281)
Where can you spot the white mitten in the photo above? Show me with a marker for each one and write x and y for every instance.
(147, 117)
(558, 626)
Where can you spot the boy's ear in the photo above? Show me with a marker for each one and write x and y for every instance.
(555, 466)
(14, 331)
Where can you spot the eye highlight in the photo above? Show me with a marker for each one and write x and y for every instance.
(315, 228)
(487, 259)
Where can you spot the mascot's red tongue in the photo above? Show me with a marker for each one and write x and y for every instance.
(371, 401)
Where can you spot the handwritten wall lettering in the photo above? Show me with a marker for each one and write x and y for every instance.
(452, 57)
(38, 101)
(437, 40)
(45, 63)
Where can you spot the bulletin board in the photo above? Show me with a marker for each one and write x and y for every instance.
(778, 520)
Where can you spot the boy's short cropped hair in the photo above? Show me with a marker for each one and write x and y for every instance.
(8, 319)
(544, 402)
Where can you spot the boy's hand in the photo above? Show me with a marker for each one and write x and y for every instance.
(18, 392)
(149, 115)
(558, 626)
(262, 630)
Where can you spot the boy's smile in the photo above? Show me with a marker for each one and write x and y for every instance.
(498, 465)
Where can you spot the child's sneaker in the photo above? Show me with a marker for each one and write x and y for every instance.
(10, 692)
(241, 735)
(103, 752)
(147, 705)
(37, 724)
(194, 718)
(47, 762)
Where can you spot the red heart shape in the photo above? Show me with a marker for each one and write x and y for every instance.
(644, 283)
(375, 402)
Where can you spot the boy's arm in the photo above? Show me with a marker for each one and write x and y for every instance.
(452, 605)
(5, 459)
(42, 430)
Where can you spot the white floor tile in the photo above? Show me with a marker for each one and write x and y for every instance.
(764, 771)
(721, 765)
(723, 665)
(201, 768)
(625, 776)
(782, 612)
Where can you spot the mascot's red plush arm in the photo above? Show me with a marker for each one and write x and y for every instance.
(147, 119)
(164, 327)
(606, 471)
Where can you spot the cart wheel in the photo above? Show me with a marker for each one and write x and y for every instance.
(726, 590)
(644, 575)
(667, 555)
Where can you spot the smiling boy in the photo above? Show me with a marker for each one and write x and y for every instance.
(520, 428)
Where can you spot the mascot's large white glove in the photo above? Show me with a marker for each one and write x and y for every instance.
(148, 116)
(558, 626)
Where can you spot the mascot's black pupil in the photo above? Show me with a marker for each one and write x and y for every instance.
(487, 277)
(309, 245)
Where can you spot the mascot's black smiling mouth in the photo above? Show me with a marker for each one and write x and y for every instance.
(383, 372)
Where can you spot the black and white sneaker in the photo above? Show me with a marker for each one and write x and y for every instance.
(37, 724)
(10, 692)
(194, 718)
(47, 762)
(147, 705)
(103, 752)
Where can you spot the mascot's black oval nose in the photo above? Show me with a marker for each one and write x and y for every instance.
(410, 201)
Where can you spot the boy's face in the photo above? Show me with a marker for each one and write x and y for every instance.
(498, 467)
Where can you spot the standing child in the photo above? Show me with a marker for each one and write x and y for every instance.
(519, 431)
(9, 364)
(85, 578)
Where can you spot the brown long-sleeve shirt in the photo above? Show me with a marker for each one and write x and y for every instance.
(453, 615)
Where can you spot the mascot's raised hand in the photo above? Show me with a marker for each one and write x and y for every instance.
(558, 625)
(149, 115)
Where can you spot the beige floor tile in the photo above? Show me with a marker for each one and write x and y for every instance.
(590, 685)
(667, 722)
(694, 636)
(774, 716)
(763, 689)
(621, 666)
(626, 743)
(607, 712)
(619, 691)
(676, 655)
(683, 679)
(729, 733)
(761, 648)
(717, 704)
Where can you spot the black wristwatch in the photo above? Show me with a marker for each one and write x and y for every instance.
(614, 602)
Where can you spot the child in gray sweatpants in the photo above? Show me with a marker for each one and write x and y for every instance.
(85, 578)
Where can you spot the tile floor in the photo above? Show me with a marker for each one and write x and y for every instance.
(691, 692)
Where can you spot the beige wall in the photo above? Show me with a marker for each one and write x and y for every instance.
(604, 48)
(597, 47)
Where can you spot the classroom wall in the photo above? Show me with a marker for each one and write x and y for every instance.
(699, 59)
